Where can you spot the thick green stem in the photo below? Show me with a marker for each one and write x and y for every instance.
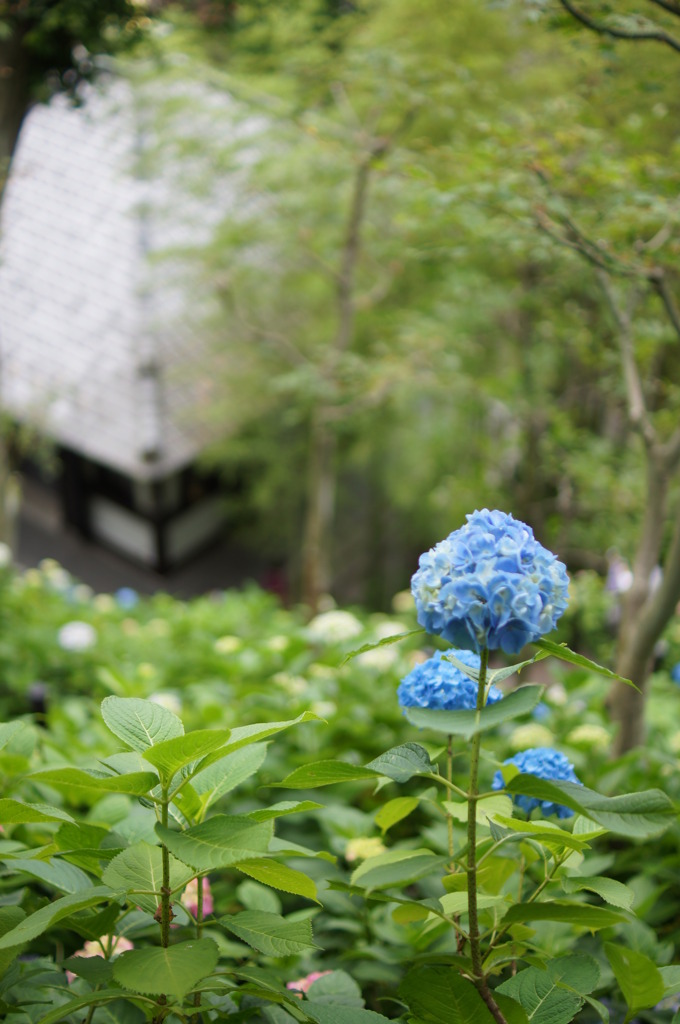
(166, 912)
(473, 796)
(449, 816)
(199, 932)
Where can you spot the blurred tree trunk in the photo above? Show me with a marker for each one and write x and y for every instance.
(319, 515)
(15, 97)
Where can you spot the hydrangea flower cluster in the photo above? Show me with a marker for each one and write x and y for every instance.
(490, 584)
(545, 763)
(438, 684)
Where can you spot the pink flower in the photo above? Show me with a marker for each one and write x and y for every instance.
(190, 897)
(303, 984)
(115, 944)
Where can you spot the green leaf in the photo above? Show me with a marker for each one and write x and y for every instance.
(611, 891)
(9, 731)
(270, 933)
(582, 914)
(671, 979)
(513, 1012)
(139, 870)
(457, 902)
(322, 1014)
(337, 988)
(230, 771)
(247, 734)
(636, 815)
(325, 773)
(41, 920)
(639, 978)
(544, 999)
(403, 762)
(169, 756)
(493, 807)
(395, 810)
(561, 651)
(380, 643)
(63, 1012)
(545, 832)
(467, 723)
(439, 995)
(395, 867)
(13, 812)
(283, 808)
(140, 723)
(57, 873)
(220, 842)
(10, 918)
(81, 780)
(279, 876)
(173, 971)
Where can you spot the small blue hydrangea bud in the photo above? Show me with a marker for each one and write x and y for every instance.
(490, 584)
(438, 684)
(544, 763)
(675, 673)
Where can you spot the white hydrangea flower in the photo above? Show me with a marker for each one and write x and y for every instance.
(589, 735)
(227, 644)
(334, 627)
(531, 735)
(277, 643)
(76, 636)
(5, 555)
(168, 700)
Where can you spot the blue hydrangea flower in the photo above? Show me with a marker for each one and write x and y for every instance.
(127, 597)
(490, 584)
(437, 683)
(675, 673)
(545, 763)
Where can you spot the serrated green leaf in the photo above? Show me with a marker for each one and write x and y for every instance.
(542, 997)
(403, 762)
(545, 832)
(637, 815)
(169, 756)
(140, 723)
(10, 918)
(639, 978)
(226, 774)
(582, 914)
(279, 876)
(395, 867)
(395, 810)
(270, 933)
(139, 870)
(41, 920)
(323, 1014)
(439, 995)
(671, 979)
(457, 902)
(336, 988)
(63, 1012)
(379, 643)
(247, 734)
(283, 808)
(467, 723)
(326, 773)
(219, 842)
(611, 891)
(561, 651)
(14, 812)
(173, 971)
(81, 780)
(57, 873)
(485, 809)
(9, 733)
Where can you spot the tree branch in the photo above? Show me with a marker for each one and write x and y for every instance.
(660, 286)
(637, 408)
(656, 35)
(666, 5)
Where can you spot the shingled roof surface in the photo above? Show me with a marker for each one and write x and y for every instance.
(96, 339)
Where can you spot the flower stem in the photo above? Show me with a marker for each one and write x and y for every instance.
(449, 816)
(473, 796)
